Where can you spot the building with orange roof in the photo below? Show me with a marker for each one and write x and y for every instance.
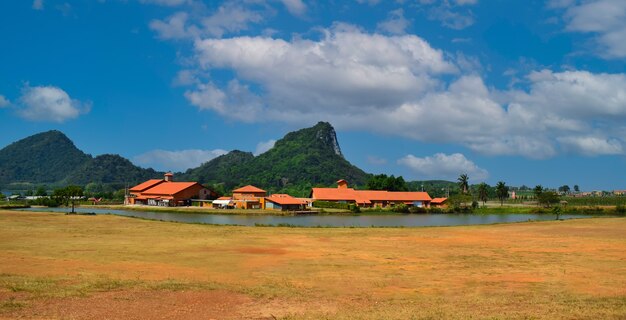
(439, 202)
(249, 197)
(167, 193)
(370, 198)
(284, 202)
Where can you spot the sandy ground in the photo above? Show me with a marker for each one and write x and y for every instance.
(54, 266)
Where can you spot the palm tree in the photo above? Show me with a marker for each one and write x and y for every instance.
(463, 183)
(483, 192)
(502, 191)
(538, 191)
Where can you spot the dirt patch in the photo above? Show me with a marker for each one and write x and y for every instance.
(269, 251)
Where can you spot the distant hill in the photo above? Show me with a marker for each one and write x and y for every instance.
(110, 169)
(45, 157)
(52, 158)
(300, 160)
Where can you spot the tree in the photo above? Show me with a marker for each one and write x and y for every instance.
(389, 183)
(548, 198)
(564, 189)
(502, 191)
(69, 195)
(576, 188)
(41, 191)
(463, 181)
(483, 192)
(538, 190)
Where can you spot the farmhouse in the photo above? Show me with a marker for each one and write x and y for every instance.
(284, 202)
(369, 198)
(167, 193)
(248, 197)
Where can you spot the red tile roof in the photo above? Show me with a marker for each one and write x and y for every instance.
(170, 188)
(284, 199)
(248, 188)
(367, 196)
(146, 185)
(438, 200)
(224, 198)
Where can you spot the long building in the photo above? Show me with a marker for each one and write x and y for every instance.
(370, 198)
(167, 193)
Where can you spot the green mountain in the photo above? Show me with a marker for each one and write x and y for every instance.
(52, 158)
(110, 169)
(297, 162)
(46, 157)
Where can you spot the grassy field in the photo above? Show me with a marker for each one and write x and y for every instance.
(93, 267)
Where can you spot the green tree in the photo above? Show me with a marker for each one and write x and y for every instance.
(41, 191)
(502, 191)
(576, 188)
(548, 198)
(483, 192)
(463, 182)
(564, 188)
(69, 195)
(384, 182)
(538, 190)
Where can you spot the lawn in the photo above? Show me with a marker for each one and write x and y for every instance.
(93, 267)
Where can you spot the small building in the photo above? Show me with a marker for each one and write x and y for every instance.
(166, 193)
(284, 202)
(223, 203)
(248, 197)
(370, 198)
(439, 203)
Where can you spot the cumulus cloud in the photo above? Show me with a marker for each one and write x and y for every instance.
(396, 23)
(443, 166)
(176, 160)
(264, 146)
(4, 102)
(296, 7)
(38, 4)
(49, 103)
(606, 19)
(450, 18)
(231, 17)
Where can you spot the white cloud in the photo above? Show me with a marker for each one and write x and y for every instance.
(264, 146)
(443, 166)
(296, 7)
(176, 160)
(230, 17)
(450, 18)
(38, 4)
(466, 2)
(400, 85)
(396, 23)
(49, 103)
(4, 102)
(592, 146)
(604, 18)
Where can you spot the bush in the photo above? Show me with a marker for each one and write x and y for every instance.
(620, 209)
(331, 205)
(418, 210)
(400, 208)
(354, 208)
(436, 210)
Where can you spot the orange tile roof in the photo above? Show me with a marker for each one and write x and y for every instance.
(284, 199)
(146, 185)
(438, 200)
(170, 188)
(224, 198)
(367, 196)
(248, 188)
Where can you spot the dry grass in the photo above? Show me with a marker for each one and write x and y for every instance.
(84, 267)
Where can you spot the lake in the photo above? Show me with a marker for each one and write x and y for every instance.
(395, 220)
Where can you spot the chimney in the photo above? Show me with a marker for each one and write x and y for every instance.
(342, 184)
(169, 177)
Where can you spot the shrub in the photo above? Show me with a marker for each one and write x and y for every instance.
(620, 209)
(354, 208)
(400, 208)
(331, 205)
(417, 210)
(436, 210)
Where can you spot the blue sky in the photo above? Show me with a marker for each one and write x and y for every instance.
(523, 91)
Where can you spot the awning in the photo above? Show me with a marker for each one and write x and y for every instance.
(222, 202)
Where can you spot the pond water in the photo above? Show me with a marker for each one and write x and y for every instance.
(409, 220)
